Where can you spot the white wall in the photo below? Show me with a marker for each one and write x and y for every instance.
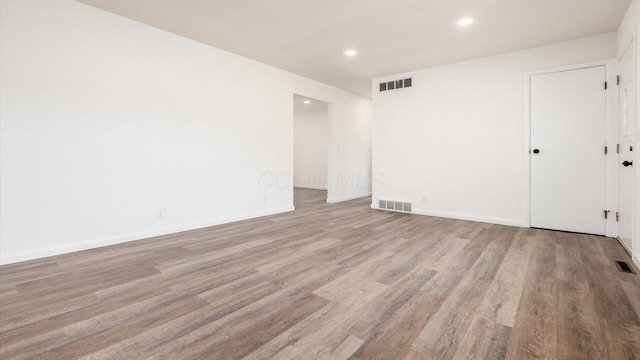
(311, 141)
(628, 32)
(457, 137)
(105, 121)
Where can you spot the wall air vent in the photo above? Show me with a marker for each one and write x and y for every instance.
(397, 84)
(394, 205)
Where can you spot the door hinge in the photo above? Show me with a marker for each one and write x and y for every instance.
(606, 85)
(617, 148)
(618, 80)
(617, 216)
(606, 214)
(606, 150)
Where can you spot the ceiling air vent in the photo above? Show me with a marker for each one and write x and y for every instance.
(396, 84)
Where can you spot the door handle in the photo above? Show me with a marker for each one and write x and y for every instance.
(536, 151)
(627, 163)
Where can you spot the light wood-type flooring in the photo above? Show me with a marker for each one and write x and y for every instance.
(337, 281)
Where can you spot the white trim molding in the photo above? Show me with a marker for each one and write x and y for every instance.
(59, 250)
(611, 203)
(347, 198)
(313, 187)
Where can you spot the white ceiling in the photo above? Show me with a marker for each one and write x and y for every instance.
(309, 37)
(300, 106)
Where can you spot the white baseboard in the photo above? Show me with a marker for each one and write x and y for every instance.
(64, 249)
(484, 219)
(310, 187)
(624, 246)
(468, 217)
(347, 198)
(634, 257)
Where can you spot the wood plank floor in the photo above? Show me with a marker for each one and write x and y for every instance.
(337, 281)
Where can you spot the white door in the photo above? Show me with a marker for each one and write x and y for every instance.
(568, 119)
(625, 138)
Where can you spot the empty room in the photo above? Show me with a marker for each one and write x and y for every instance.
(312, 179)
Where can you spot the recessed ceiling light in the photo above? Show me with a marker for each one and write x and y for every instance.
(350, 52)
(465, 22)
(307, 102)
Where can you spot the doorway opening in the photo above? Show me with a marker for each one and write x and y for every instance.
(310, 150)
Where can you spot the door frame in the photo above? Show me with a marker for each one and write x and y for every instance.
(631, 47)
(330, 139)
(611, 137)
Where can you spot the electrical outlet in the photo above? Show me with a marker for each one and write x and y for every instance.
(160, 214)
(424, 199)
